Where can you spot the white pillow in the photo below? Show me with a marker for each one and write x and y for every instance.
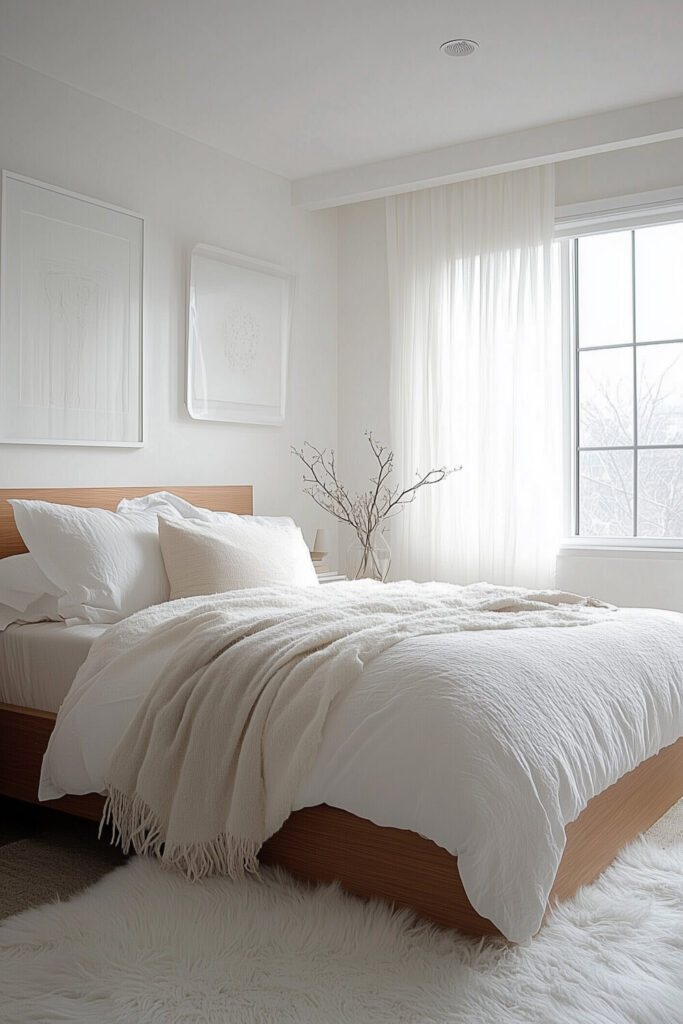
(107, 565)
(162, 500)
(211, 558)
(43, 609)
(22, 582)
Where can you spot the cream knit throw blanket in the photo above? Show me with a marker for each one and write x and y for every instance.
(210, 765)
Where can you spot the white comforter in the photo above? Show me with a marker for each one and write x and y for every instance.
(487, 742)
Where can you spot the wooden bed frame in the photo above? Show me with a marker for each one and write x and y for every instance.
(325, 843)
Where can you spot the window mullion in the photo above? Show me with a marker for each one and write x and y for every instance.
(577, 400)
(635, 385)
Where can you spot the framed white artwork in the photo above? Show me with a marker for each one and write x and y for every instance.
(239, 315)
(70, 318)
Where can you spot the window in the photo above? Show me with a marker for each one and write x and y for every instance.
(628, 383)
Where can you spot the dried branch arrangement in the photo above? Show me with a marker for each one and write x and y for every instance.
(364, 512)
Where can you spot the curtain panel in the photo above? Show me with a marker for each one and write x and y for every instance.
(476, 378)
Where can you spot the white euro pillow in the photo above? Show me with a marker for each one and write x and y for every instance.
(26, 594)
(43, 609)
(214, 557)
(106, 565)
(22, 582)
(163, 500)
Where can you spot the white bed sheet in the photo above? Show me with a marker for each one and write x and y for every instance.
(38, 662)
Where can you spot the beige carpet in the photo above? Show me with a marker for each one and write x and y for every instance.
(58, 857)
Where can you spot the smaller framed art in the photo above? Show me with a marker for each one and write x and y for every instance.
(239, 316)
(70, 318)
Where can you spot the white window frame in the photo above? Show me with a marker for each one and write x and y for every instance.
(616, 214)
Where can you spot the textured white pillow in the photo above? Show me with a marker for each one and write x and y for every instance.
(22, 582)
(43, 609)
(211, 558)
(107, 565)
(162, 500)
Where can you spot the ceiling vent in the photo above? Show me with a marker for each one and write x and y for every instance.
(459, 47)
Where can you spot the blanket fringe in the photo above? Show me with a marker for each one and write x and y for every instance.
(134, 825)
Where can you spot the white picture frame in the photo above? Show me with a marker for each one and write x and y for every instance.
(238, 328)
(71, 345)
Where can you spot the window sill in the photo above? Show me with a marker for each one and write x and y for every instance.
(576, 547)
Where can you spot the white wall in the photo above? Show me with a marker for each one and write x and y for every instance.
(363, 365)
(620, 172)
(364, 353)
(187, 193)
(653, 578)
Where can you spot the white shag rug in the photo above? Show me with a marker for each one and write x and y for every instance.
(143, 946)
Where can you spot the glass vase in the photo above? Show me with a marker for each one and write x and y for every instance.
(369, 561)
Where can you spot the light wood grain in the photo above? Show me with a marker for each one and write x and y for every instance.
(617, 815)
(237, 499)
(326, 844)
(24, 733)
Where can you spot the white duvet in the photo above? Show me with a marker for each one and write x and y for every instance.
(487, 742)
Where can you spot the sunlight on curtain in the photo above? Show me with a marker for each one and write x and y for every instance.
(477, 378)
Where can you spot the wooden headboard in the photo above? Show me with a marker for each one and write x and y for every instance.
(221, 499)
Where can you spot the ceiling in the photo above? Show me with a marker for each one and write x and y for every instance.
(303, 87)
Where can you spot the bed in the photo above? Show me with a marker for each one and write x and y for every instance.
(323, 843)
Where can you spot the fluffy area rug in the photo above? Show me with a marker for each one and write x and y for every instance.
(143, 946)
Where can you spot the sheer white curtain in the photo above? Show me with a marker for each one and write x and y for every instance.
(477, 378)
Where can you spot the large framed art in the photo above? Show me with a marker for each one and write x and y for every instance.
(70, 318)
(239, 314)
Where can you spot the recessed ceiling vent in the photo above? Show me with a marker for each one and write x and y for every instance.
(459, 47)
